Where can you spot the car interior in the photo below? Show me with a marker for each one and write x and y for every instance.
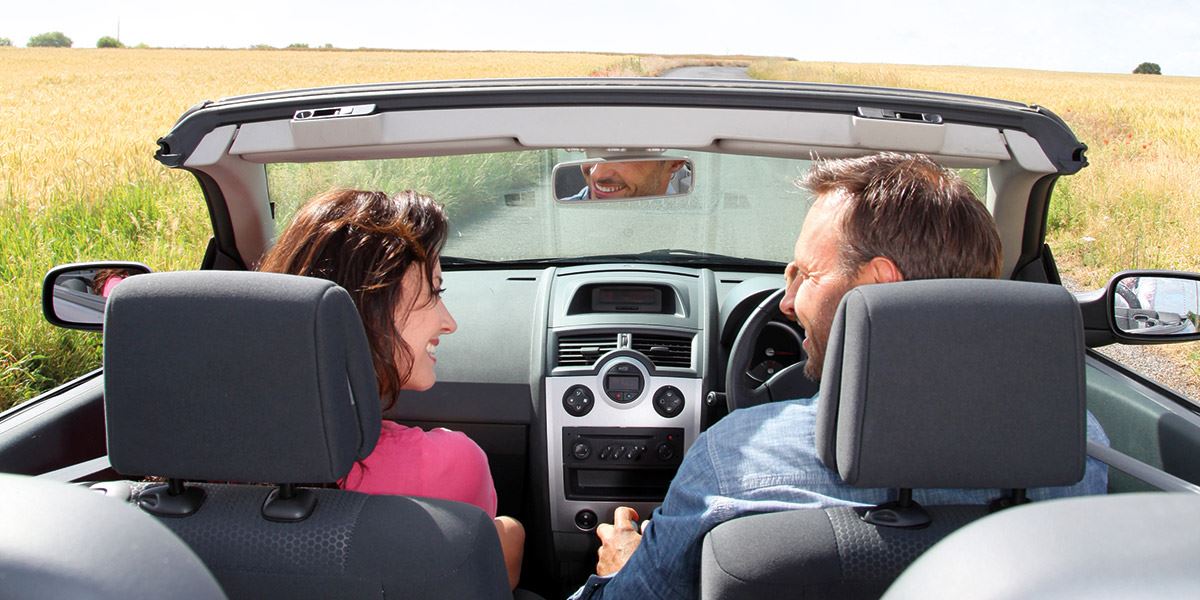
(596, 340)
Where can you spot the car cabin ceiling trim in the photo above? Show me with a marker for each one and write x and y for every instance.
(1065, 152)
(592, 127)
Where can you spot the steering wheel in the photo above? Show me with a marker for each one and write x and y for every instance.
(787, 384)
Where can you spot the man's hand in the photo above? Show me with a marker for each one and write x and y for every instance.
(618, 541)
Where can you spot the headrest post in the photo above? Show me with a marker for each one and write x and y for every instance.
(901, 513)
(289, 504)
(1014, 497)
(171, 500)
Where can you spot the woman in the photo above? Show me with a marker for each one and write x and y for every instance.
(384, 251)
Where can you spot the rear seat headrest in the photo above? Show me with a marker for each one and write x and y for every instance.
(237, 376)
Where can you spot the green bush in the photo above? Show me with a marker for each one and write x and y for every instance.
(262, 47)
(5, 42)
(1147, 68)
(297, 46)
(109, 42)
(53, 39)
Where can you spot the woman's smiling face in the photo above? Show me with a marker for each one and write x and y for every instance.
(423, 325)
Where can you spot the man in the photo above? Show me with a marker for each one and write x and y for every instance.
(632, 179)
(878, 219)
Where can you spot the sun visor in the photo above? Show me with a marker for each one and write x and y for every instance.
(787, 133)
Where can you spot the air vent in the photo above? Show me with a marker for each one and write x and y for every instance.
(582, 350)
(664, 350)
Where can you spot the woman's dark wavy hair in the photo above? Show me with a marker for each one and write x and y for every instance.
(365, 242)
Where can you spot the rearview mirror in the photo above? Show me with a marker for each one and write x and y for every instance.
(1155, 306)
(73, 296)
(601, 180)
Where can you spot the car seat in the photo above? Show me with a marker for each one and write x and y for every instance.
(240, 388)
(927, 384)
(64, 541)
(1119, 546)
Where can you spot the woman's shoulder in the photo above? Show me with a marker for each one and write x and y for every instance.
(438, 439)
(455, 442)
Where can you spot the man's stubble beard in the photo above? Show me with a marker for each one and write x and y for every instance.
(819, 336)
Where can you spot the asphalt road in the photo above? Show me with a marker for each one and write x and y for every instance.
(707, 73)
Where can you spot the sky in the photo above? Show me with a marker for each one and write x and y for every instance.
(1104, 36)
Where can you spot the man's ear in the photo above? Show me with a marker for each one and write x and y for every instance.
(881, 269)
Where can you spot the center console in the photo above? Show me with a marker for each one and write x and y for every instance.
(624, 388)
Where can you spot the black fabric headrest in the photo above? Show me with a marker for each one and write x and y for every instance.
(236, 376)
(956, 383)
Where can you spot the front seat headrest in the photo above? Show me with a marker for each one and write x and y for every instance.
(955, 383)
(237, 376)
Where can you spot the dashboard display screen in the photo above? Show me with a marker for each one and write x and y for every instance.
(627, 299)
(622, 383)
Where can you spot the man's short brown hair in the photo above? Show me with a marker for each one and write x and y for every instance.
(909, 209)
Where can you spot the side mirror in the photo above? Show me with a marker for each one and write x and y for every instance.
(1155, 306)
(607, 180)
(73, 296)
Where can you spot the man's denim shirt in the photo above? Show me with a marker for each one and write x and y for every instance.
(758, 460)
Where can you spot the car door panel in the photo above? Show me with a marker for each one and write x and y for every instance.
(1142, 422)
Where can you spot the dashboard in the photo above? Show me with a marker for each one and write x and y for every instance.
(586, 385)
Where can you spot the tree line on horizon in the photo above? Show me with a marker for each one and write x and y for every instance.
(57, 39)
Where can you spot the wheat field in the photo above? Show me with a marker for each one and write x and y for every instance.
(1137, 204)
(78, 180)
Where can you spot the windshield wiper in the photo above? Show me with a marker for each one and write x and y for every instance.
(672, 256)
(455, 261)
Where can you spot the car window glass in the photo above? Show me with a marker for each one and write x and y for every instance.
(501, 206)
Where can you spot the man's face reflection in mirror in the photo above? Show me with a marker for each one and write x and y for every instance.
(633, 179)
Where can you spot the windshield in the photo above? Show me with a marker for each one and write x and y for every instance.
(742, 209)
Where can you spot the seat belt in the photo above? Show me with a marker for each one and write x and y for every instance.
(1140, 470)
(79, 471)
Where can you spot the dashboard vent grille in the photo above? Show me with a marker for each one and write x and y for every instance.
(582, 350)
(664, 350)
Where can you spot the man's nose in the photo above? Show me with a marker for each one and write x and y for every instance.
(787, 304)
(601, 170)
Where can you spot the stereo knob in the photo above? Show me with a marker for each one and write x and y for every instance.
(581, 450)
(578, 401)
(665, 451)
(668, 401)
(586, 520)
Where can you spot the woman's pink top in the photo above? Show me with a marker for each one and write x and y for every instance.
(110, 284)
(438, 463)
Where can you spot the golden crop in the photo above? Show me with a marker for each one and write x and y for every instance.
(1137, 205)
(78, 180)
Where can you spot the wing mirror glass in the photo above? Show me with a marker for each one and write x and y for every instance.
(1155, 305)
(608, 180)
(74, 296)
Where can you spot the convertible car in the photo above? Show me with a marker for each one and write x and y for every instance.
(616, 252)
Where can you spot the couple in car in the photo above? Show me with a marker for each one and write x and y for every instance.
(878, 219)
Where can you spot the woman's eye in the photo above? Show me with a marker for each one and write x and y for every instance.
(438, 292)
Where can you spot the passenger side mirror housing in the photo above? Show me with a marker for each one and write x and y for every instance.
(74, 295)
(1143, 307)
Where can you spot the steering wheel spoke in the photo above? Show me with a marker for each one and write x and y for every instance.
(788, 383)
